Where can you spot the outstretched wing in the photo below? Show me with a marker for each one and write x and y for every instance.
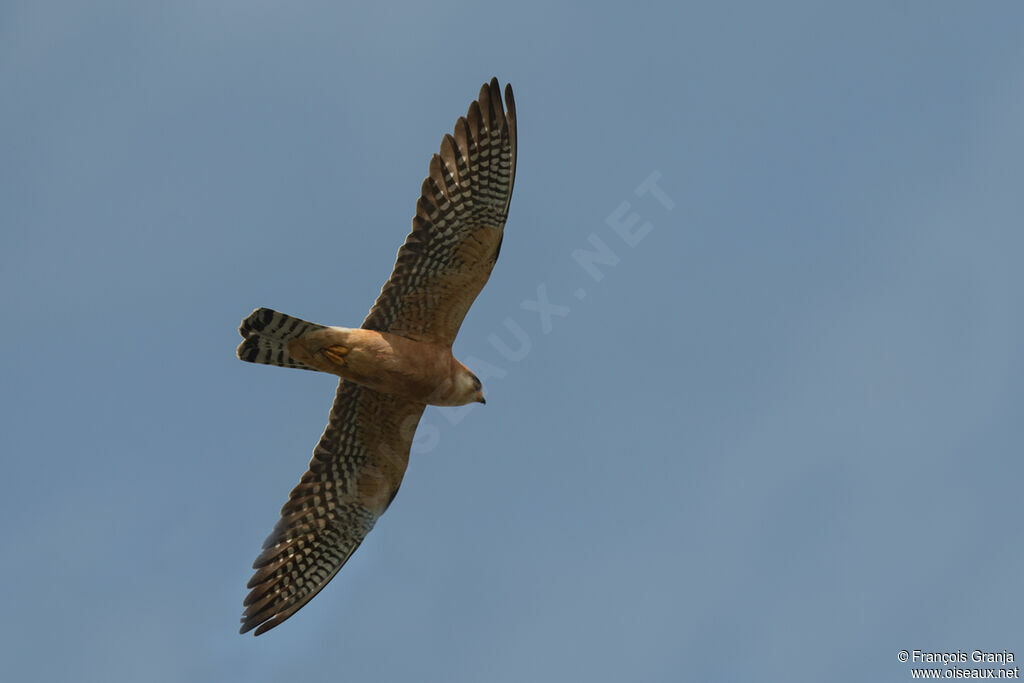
(457, 231)
(355, 473)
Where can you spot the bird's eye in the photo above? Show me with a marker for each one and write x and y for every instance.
(476, 383)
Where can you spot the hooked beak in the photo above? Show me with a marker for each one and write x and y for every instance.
(480, 398)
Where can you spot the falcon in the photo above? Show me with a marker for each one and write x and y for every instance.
(391, 368)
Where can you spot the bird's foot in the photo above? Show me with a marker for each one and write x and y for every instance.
(335, 354)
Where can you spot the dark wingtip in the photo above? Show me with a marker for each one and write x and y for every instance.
(264, 627)
(510, 102)
(262, 624)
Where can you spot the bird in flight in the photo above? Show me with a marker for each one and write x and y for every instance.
(398, 362)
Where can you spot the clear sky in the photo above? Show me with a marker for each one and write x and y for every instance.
(776, 435)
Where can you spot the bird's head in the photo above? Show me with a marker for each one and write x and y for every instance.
(467, 387)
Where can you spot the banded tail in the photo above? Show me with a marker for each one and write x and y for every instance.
(267, 334)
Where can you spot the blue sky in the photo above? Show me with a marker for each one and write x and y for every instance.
(779, 439)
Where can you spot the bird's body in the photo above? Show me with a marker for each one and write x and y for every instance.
(393, 366)
(419, 371)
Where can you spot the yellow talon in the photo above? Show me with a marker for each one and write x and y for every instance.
(336, 353)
